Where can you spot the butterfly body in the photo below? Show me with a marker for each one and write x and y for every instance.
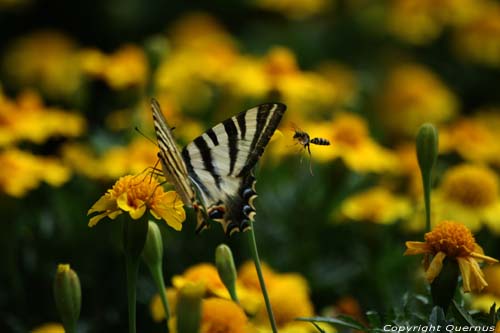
(216, 167)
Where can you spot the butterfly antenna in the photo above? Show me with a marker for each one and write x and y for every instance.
(144, 135)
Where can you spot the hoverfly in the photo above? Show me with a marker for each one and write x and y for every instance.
(304, 139)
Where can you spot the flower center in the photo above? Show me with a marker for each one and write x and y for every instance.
(452, 238)
(471, 186)
(350, 131)
(138, 189)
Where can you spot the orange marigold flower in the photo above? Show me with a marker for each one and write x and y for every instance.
(134, 194)
(222, 316)
(455, 241)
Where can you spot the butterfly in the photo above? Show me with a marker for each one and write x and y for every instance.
(214, 173)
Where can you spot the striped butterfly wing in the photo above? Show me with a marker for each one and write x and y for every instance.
(172, 163)
(220, 162)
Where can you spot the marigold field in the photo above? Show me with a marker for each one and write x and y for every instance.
(401, 103)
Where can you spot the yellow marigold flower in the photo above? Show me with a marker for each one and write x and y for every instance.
(44, 59)
(126, 67)
(294, 9)
(23, 172)
(469, 193)
(280, 61)
(156, 307)
(248, 77)
(135, 194)
(491, 293)
(455, 241)
(82, 160)
(414, 21)
(222, 316)
(28, 119)
(48, 328)
(376, 205)
(205, 274)
(479, 39)
(351, 141)
(200, 31)
(132, 159)
(413, 95)
(247, 275)
(289, 296)
(422, 21)
(472, 138)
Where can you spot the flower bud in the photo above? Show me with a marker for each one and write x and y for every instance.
(153, 249)
(156, 48)
(68, 296)
(427, 152)
(427, 147)
(189, 308)
(226, 268)
(153, 255)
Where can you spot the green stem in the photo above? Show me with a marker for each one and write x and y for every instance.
(157, 274)
(426, 180)
(134, 238)
(256, 260)
(132, 270)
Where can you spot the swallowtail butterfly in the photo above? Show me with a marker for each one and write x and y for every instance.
(216, 167)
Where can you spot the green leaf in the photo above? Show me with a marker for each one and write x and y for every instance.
(437, 316)
(318, 328)
(461, 315)
(492, 315)
(344, 322)
(374, 318)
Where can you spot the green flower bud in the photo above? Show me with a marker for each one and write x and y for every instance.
(153, 249)
(189, 308)
(156, 48)
(226, 268)
(427, 147)
(68, 296)
(153, 255)
(427, 152)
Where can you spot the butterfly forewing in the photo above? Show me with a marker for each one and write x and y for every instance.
(173, 166)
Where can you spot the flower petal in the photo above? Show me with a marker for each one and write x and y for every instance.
(435, 266)
(105, 203)
(172, 215)
(413, 248)
(482, 257)
(472, 276)
(93, 221)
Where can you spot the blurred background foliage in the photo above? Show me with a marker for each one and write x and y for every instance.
(76, 78)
